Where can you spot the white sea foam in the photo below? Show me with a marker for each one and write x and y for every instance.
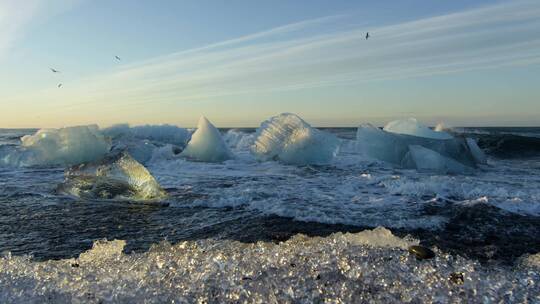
(303, 193)
(518, 194)
(238, 140)
(144, 142)
(353, 191)
(441, 127)
(167, 134)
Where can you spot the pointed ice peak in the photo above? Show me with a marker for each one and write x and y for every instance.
(203, 122)
(206, 144)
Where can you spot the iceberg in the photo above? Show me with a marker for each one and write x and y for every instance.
(291, 140)
(411, 126)
(64, 146)
(426, 160)
(395, 148)
(476, 152)
(376, 143)
(117, 176)
(206, 144)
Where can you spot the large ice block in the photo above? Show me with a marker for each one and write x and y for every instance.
(291, 140)
(206, 144)
(117, 176)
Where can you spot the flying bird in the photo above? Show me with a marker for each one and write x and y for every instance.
(59, 85)
(117, 58)
(367, 35)
(54, 71)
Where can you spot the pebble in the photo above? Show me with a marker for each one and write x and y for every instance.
(457, 278)
(421, 252)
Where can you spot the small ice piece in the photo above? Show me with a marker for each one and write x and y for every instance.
(103, 251)
(379, 237)
(117, 176)
(530, 261)
(206, 144)
(290, 139)
(427, 160)
(411, 126)
(476, 152)
(65, 146)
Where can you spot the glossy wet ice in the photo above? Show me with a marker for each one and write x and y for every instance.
(367, 267)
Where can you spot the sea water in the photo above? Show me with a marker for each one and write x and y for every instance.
(266, 231)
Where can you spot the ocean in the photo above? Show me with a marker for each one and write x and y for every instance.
(232, 231)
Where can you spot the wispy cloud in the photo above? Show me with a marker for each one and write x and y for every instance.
(14, 16)
(17, 15)
(322, 52)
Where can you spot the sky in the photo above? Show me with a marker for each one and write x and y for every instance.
(239, 62)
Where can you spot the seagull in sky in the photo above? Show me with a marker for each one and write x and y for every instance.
(367, 35)
(117, 58)
(59, 85)
(54, 71)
